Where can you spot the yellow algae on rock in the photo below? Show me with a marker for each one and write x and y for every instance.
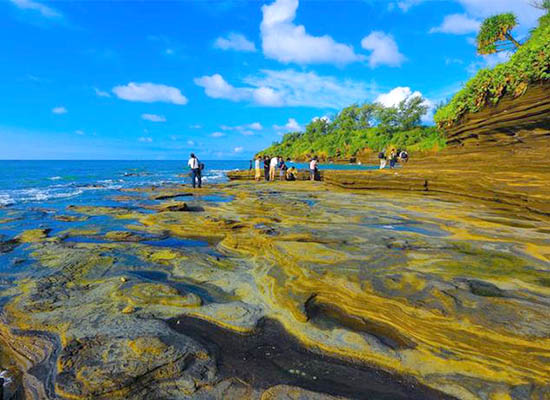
(143, 294)
(33, 235)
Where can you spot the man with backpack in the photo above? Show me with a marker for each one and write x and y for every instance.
(196, 170)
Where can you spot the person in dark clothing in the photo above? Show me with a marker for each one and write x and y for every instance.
(195, 166)
(282, 168)
(266, 167)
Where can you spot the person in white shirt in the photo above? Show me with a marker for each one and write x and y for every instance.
(257, 168)
(195, 166)
(273, 167)
(313, 167)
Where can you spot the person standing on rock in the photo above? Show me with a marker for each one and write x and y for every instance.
(266, 168)
(273, 167)
(313, 168)
(195, 166)
(382, 158)
(257, 168)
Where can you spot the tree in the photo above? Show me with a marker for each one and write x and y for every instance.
(541, 4)
(494, 35)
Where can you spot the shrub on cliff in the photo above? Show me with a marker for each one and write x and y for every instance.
(529, 65)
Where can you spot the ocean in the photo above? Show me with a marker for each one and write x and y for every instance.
(58, 182)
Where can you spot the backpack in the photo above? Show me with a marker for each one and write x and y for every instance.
(381, 155)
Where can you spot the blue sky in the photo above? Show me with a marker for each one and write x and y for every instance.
(156, 80)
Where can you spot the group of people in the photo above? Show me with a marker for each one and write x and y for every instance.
(270, 167)
(393, 157)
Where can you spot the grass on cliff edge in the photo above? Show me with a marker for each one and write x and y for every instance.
(529, 65)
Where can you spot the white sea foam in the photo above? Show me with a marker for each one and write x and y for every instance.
(6, 200)
(54, 178)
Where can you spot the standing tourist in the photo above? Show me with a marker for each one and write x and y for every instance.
(273, 167)
(266, 168)
(196, 167)
(257, 168)
(313, 167)
(393, 158)
(282, 168)
(382, 158)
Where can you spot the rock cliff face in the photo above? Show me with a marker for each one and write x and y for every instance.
(500, 154)
(504, 123)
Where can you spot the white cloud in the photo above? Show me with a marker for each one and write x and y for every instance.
(195, 126)
(153, 117)
(307, 89)
(59, 110)
(289, 88)
(216, 87)
(478, 9)
(150, 93)
(190, 143)
(238, 149)
(169, 51)
(457, 24)
(384, 50)
(235, 41)
(101, 93)
(286, 42)
(218, 134)
(266, 96)
(325, 118)
(291, 126)
(397, 95)
(36, 6)
(79, 132)
(145, 139)
(247, 129)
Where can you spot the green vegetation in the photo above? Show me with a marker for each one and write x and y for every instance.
(529, 65)
(360, 129)
(494, 35)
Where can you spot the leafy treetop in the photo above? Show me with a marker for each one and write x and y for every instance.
(495, 36)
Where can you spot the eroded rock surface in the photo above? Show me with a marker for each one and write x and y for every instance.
(326, 293)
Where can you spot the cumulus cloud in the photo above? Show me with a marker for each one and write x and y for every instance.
(59, 110)
(235, 41)
(457, 24)
(384, 50)
(238, 149)
(397, 95)
(190, 143)
(218, 134)
(150, 93)
(289, 88)
(36, 6)
(291, 126)
(101, 93)
(215, 86)
(145, 139)
(153, 117)
(286, 42)
(79, 132)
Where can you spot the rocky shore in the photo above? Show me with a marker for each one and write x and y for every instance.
(281, 290)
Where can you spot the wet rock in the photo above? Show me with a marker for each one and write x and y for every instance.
(173, 207)
(71, 218)
(123, 236)
(33, 235)
(486, 289)
(8, 245)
